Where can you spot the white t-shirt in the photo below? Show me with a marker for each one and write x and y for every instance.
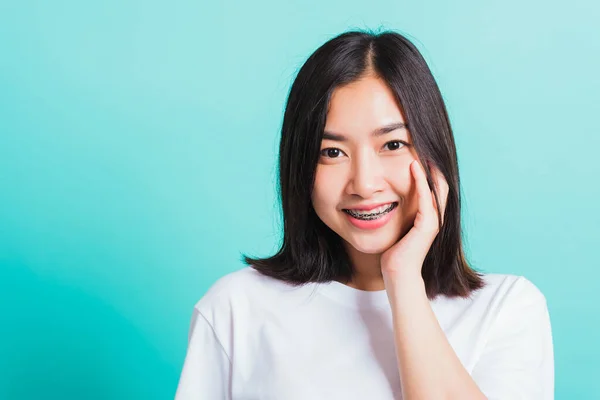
(253, 337)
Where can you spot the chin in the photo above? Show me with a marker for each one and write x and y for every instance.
(371, 245)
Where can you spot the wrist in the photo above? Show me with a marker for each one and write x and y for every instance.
(405, 283)
(404, 276)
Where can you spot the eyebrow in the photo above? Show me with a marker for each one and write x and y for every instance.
(338, 137)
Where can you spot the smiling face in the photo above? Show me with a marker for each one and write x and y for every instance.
(361, 165)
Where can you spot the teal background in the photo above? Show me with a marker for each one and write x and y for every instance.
(137, 161)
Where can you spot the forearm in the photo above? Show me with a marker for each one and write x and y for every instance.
(429, 367)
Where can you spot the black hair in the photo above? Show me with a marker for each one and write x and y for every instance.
(310, 250)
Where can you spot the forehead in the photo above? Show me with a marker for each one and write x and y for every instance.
(361, 106)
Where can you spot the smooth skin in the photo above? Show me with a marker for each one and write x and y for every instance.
(365, 169)
(357, 167)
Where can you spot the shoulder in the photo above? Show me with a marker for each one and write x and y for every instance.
(504, 297)
(228, 283)
(233, 284)
(511, 289)
(238, 292)
(511, 302)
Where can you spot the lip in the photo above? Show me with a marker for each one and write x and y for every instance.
(367, 207)
(372, 224)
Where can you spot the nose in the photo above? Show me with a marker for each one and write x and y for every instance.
(366, 176)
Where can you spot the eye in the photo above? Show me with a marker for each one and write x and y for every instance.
(395, 144)
(334, 152)
(331, 152)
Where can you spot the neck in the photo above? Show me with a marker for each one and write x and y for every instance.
(366, 270)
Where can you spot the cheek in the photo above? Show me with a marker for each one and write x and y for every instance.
(401, 180)
(405, 189)
(324, 193)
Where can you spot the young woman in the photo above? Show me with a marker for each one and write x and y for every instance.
(370, 295)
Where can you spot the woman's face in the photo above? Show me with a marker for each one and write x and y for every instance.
(358, 168)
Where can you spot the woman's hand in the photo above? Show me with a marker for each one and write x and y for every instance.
(428, 365)
(406, 257)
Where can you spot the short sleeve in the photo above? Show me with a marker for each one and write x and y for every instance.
(206, 372)
(517, 362)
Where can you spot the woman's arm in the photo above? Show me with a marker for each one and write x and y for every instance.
(429, 367)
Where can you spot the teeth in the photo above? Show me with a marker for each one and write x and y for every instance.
(374, 211)
(372, 214)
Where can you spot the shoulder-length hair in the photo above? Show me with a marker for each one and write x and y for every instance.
(310, 250)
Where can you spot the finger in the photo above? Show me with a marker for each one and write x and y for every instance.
(440, 181)
(424, 195)
(442, 188)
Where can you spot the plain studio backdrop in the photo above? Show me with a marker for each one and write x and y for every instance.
(138, 145)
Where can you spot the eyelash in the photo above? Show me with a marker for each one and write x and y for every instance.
(404, 144)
